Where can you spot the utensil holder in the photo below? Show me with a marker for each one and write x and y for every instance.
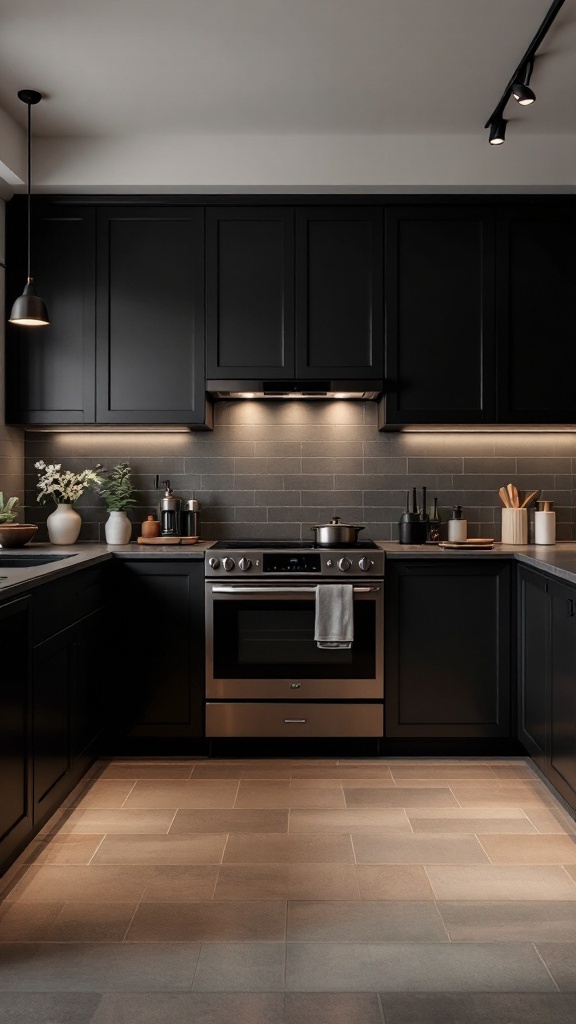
(514, 526)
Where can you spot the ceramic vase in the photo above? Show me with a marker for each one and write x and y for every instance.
(117, 528)
(64, 525)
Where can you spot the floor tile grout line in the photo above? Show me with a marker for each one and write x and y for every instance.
(123, 805)
(97, 848)
(547, 969)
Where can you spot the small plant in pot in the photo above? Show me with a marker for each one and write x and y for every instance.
(13, 534)
(115, 486)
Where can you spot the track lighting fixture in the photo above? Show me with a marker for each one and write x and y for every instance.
(29, 310)
(497, 132)
(520, 90)
(518, 86)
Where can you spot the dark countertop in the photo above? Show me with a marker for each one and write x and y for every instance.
(15, 581)
(557, 559)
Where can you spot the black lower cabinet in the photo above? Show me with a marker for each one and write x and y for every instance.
(563, 690)
(69, 686)
(159, 702)
(448, 653)
(70, 681)
(15, 749)
(533, 656)
(547, 677)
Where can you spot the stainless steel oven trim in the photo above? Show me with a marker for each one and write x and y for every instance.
(292, 689)
(274, 590)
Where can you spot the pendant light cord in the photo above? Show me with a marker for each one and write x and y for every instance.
(29, 105)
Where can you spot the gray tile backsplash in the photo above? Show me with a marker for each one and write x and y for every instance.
(274, 469)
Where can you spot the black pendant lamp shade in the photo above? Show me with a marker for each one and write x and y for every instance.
(29, 310)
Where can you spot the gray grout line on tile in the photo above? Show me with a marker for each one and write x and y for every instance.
(97, 848)
(128, 793)
(552, 978)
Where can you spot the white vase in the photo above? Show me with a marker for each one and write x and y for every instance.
(64, 525)
(117, 528)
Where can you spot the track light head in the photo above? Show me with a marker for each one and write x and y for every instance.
(497, 132)
(520, 89)
(523, 94)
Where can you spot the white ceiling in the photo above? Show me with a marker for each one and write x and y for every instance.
(133, 69)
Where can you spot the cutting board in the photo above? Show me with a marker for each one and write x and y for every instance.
(168, 540)
(472, 542)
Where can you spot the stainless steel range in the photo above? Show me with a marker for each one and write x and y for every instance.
(267, 672)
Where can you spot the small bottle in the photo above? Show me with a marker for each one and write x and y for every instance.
(457, 527)
(434, 522)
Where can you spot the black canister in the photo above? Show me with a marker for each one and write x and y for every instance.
(191, 518)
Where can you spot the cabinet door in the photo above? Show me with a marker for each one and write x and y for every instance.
(439, 300)
(91, 692)
(533, 656)
(536, 318)
(447, 649)
(50, 370)
(563, 689)
(249, 292)
(52, 676)
(15, 746)
(339, 290)
(150, 315)
(163, 674)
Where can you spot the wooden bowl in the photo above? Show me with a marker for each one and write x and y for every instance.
(16, 535)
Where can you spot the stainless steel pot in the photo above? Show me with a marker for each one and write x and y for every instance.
(335, 533)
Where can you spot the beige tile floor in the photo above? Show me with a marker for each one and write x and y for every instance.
(402, 891)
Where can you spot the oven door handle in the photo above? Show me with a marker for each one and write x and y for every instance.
(281, 590)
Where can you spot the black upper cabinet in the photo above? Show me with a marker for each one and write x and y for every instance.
(294, 293)
(150, 315)
(439, 315)
(50, 371)
(249, 292)
(339, 289)
(124, 286)
(536, 314)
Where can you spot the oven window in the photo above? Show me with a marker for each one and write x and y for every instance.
(257, 639)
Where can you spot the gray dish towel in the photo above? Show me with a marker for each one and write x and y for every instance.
(334, 624)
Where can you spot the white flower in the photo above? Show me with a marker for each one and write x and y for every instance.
(63, 486)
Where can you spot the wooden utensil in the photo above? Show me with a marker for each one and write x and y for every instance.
(530, 497)
(504, 496)
(513, 495)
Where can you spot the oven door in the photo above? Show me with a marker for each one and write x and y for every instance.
(260, 644)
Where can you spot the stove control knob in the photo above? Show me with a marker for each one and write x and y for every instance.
(344, 564)
(214, 563)
(365, 564)
(244, 564)
(228, 564)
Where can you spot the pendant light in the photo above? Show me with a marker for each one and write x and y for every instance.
(29, 310)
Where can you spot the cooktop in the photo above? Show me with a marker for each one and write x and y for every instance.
(286, 545)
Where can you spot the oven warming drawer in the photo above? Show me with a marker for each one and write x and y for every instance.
(310, 720)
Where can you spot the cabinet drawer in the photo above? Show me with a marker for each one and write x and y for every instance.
(231, 719)
(62, 602)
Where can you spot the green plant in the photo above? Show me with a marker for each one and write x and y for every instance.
(116, 488)
(8, 509)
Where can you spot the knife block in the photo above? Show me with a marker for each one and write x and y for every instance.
(415, 532)
(514, 525)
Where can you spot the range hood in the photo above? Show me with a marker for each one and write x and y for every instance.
(346, 389)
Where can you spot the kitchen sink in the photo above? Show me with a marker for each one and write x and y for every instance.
(26, 561)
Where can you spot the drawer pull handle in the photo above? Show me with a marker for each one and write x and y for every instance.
(570, 603)
(294, 721)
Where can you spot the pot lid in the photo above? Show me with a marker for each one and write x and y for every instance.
(336, 522)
